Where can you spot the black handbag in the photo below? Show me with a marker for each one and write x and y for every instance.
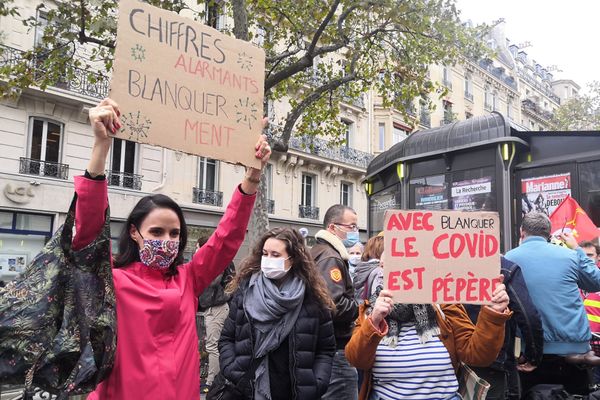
(223, 389)
(58, 319)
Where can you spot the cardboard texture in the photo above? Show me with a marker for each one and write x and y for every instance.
(185, 86)
(441, 256)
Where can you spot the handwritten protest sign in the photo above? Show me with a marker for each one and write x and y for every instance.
(441, 256)
(185, 86)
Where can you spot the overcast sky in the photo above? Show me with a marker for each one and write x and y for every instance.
(562, 33)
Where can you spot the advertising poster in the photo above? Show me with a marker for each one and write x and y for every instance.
(431, 197)
(441, 256)
(472, 194)
(544, 193)
(12, 264)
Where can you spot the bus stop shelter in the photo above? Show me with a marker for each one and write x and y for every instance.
(486, 163)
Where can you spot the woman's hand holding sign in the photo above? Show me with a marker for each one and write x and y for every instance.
(381, 309)
(104, 118)
(262, 152)
(499, 297)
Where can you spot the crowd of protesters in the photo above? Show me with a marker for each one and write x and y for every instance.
(300, 322)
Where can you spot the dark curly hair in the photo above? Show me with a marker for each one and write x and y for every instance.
(303, 265)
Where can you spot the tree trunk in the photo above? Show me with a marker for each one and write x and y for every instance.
(259, 222)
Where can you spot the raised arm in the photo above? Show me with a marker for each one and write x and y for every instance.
(92, 197)
(212, 258)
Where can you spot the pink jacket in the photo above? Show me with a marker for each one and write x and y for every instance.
(157, 344)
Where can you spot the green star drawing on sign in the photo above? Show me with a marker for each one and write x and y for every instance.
(138, 53)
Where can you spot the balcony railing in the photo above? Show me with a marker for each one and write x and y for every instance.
(469, 96)
(210, 197)
(308, 212)
(124, 179)
(94, 85)
(322, 148)
(270, 206)
(30, 166)
(536, 85)
(498, 73)
(534, 108)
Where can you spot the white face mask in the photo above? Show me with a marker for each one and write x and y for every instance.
(273, 268)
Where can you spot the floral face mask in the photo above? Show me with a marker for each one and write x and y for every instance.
(159, 254)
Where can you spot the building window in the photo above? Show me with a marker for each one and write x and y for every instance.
(46, 140)
(381, 136)
(509, 110)
(448, 114)
(346, 194)
(489, 99)
(469, 86)
(399, 134)
(44, 150)
(208, 174)
(447, 77)
(308, 190)
(42, 23)
(349, 132)
(214, 15)
(123, 163)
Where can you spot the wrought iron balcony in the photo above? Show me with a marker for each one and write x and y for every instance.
(30, 166)
(124, 179)
(322, 148)
(308, 212)
(210, 197)
(544, 89)
(532, 107)
(94, 85)
(270, 206)
(469, 96)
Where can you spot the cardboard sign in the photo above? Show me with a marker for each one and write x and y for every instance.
(185, 86)
(441, 256)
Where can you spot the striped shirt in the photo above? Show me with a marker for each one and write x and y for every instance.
(592, 308)
(413, 370)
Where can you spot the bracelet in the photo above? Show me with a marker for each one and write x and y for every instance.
(252, 180)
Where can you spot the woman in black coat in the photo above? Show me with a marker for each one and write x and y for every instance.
(279, 315)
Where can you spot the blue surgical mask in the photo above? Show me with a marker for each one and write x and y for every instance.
(351, 239)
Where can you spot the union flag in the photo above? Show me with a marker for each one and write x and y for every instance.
(569, 216)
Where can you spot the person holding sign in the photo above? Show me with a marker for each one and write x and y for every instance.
(156, 292)
(279, 333)
(414, 350)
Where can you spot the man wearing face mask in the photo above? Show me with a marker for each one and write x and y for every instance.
(330, 254)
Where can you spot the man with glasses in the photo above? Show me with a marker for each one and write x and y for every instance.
(330, 254)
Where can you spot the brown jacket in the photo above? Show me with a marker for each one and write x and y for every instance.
(475, 345)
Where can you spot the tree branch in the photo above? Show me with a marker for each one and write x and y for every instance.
(83, 38)
(291, 118)
(322, 26)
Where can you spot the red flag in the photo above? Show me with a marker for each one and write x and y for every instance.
(569, 215)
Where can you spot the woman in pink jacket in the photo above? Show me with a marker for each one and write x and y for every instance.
(156, 292)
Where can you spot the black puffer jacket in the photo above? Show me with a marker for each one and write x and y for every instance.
(311, 344)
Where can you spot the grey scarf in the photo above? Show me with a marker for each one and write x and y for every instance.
(421, 315)
(272, 312)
